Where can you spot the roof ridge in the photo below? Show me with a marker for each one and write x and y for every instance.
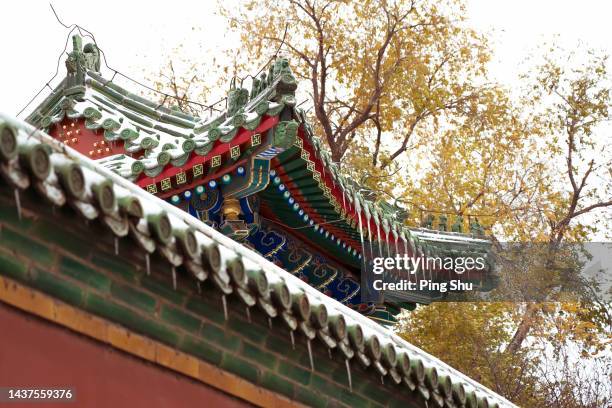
(123, 91)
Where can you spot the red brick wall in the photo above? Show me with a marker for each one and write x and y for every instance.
(37, 354)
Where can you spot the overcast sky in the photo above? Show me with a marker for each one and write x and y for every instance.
(135, 36)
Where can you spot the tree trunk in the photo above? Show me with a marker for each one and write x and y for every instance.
(523, 329)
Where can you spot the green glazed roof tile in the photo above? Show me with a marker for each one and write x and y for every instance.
(149, 128)
(155, 225)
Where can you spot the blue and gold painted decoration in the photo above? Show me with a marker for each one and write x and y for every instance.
(249, 179)
(205, 202)
(346, 290)
(210, 201)
(268, 243)
(310, 266)
(250, 208)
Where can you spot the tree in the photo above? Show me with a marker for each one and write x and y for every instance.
(477, 333)
(374, 69)
(571, 104)
(534, 175)
(195, 86)
(479, 166)
(472, 337)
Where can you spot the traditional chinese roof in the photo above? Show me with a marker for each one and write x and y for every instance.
(32, 160)
(149, 136)
(169, 152)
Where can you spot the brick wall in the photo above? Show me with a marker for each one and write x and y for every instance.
(58, 253)
(40, 354)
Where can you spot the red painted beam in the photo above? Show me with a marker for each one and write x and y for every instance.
(243, 136)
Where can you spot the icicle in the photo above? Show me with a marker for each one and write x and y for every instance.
(388, 246)
(116, 246)
(343, 199)
(148, 262)
(18, 204)
(382, 380)
(248, 314)
(370, 238)
(292, 339)
(174, 277)
(379, 240)
(396, 246)
(310, 354)
(224, 301)
(348, 373)
(358, 209)
(360, 228)
(199, 285)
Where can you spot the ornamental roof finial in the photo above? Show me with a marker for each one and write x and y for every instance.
(82, 59)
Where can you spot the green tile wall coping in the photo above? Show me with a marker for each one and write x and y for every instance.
(158, 226)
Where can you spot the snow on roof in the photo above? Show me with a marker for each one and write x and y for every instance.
(161, 226)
